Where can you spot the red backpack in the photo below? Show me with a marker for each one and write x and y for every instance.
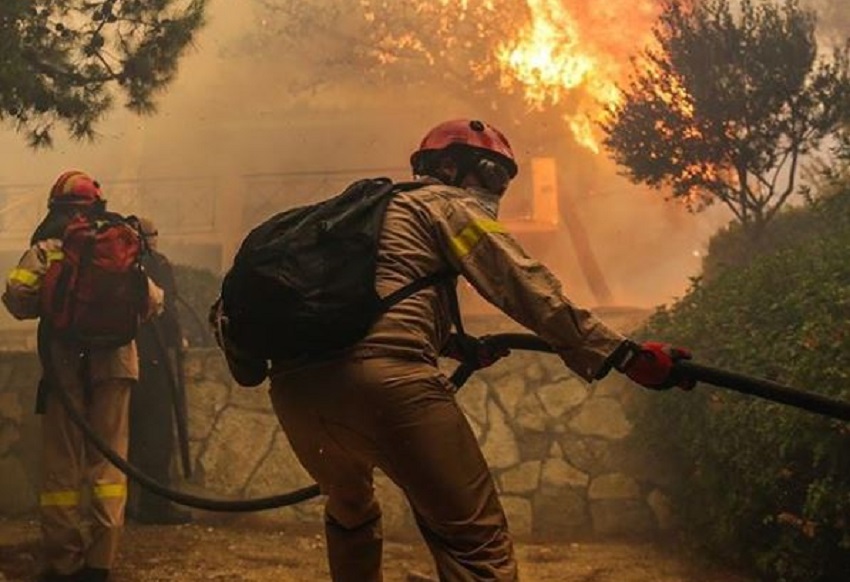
(96, 294)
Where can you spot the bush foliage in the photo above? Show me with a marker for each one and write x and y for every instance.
(762, 484)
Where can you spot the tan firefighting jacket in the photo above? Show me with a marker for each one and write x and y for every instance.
(439, 227)
(21, 298)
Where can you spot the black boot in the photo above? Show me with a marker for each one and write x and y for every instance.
(163, 515)
(89, 574)
(52, 576)
(86, 574)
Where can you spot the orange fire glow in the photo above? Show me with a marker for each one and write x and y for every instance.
(564, 54)
(545, 58)
(577, 50)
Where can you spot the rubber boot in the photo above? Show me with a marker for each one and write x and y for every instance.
(354, 555)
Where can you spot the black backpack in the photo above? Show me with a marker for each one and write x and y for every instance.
(303, 283)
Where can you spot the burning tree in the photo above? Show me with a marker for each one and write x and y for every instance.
(727, 105)
(543, 68)
(59, 59)
(536, 62)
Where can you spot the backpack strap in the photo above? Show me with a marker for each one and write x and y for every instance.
(418, 285)
(454, 310)
(469, 344)
(414, 287)
(439, 278)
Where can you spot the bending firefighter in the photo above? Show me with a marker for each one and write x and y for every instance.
(81, 278)
(384, 403)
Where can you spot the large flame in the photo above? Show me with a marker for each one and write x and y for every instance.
(564, 54)
(577, 50)
(545, 58)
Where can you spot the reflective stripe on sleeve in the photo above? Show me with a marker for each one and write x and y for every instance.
(110, 491)
(24, 277)
(60, 499)
(465, 241)
(54, 256)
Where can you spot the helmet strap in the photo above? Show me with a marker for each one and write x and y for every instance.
(464, 164)
(491, 175)
(436, 166)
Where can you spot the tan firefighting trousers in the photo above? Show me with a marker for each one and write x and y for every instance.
(71, 464)
(346, 417)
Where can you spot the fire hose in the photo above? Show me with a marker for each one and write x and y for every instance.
(189, 500)
(737, 382)
(761, 388)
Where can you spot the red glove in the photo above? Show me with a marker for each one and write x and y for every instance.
(652, 366)
(469, 350)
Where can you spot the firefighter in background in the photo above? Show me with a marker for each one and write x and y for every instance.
(161, 346)
(385, 404)
(69, 462)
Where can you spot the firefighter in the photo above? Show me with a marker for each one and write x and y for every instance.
(161, 347)
(385, 404)
(101, 390)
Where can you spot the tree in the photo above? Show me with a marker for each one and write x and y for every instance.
(61, 59)
(529, 66)
(536, 63)
(453, 44)
(729, 105)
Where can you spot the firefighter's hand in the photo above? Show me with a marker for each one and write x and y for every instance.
(469, 350)
(652, 365)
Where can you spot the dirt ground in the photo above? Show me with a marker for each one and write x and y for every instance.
(247, 549)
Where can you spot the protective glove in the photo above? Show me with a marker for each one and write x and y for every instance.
(652, 365)
(473, 351)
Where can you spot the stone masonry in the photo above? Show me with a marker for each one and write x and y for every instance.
(559, 449)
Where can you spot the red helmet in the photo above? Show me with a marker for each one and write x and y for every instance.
(470, 133)
(75, 187)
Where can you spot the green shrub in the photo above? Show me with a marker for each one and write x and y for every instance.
(731, 247)
(763, 484)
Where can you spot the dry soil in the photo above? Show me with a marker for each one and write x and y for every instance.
(249, 549)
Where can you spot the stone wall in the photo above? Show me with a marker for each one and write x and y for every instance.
(560, 450)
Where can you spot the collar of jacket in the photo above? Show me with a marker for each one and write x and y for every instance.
(488, 200)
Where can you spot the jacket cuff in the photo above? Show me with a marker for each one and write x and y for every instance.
(619, 359)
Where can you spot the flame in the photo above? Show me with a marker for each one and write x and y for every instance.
(582, 128)
(545, 58)
(677, 96)
(570, 48)
(564, 54)
(575, 52)
(674, 94)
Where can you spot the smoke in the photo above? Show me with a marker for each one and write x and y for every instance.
(231, 116)
(833, 21)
